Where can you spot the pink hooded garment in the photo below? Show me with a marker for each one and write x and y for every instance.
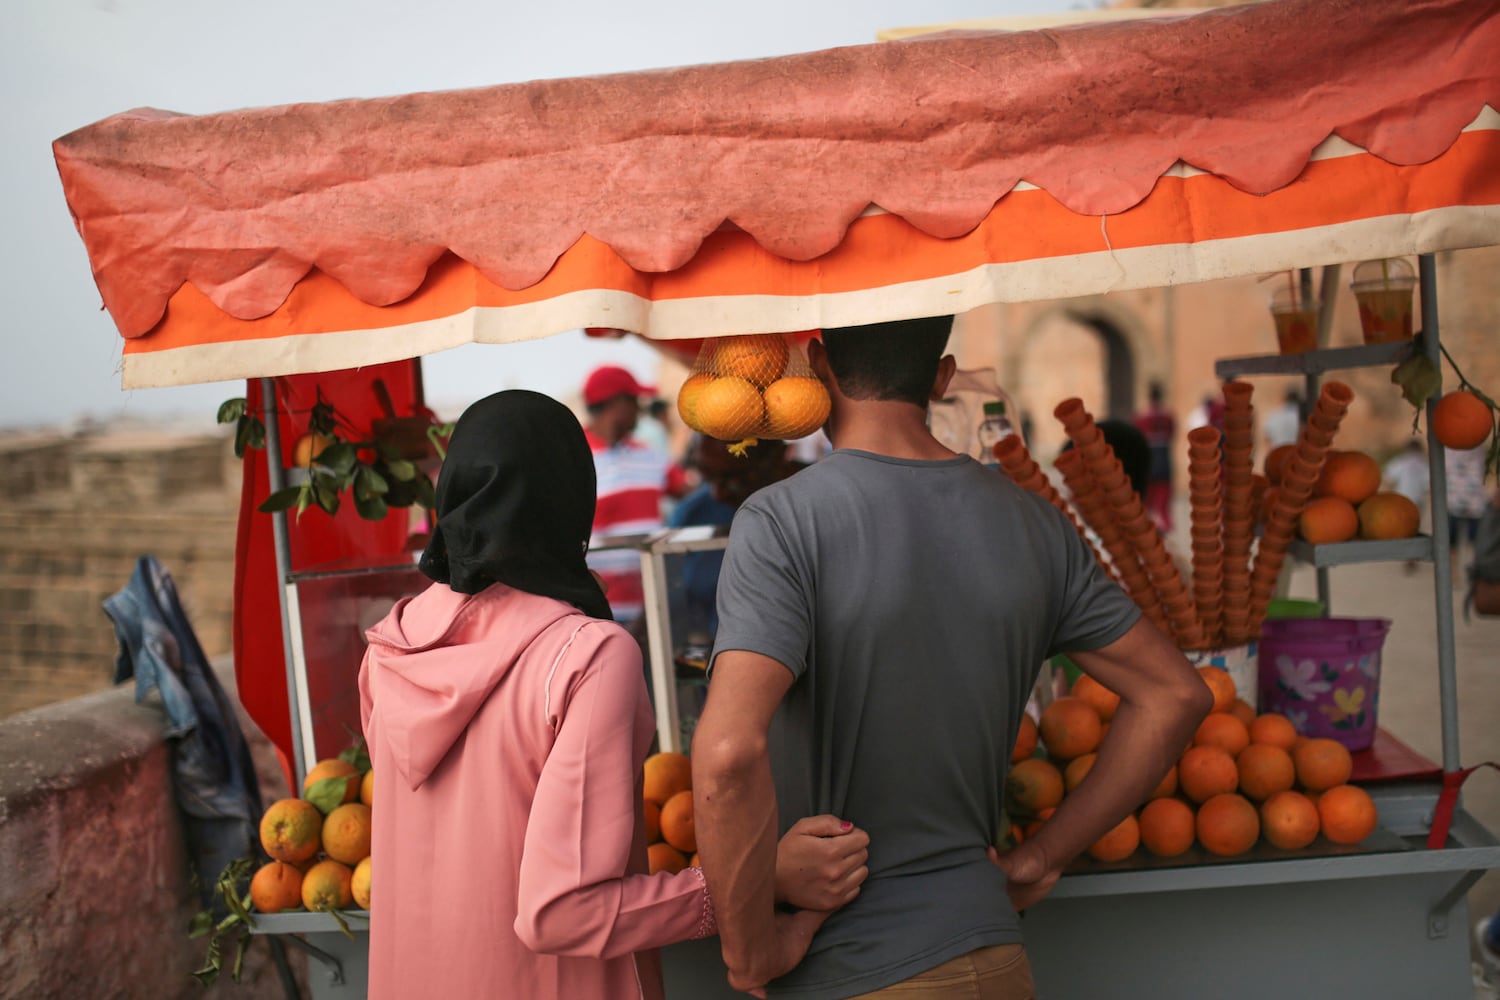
(507, 733)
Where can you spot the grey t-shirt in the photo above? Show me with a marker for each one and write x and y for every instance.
(914, 601)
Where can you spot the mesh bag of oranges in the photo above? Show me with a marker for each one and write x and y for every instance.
(752, 386)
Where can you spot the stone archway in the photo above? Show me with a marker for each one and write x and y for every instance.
(1092, 350)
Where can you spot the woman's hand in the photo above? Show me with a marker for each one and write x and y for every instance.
(820, 863)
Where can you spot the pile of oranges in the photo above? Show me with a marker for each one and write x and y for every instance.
(319, 844)
(752, 386)
(1347, 501)
(668, 803)
(1244, 778)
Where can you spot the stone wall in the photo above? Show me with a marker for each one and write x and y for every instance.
(80, 512)
(94, 893)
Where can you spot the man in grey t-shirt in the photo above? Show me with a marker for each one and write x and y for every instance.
(883, 615)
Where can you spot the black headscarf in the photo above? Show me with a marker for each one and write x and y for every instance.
(515, 502)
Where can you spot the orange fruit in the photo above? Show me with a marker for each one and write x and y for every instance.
(1222, 729)
(346, 833)
(1104, 701)
(663, 857)
(1167, 785)
(1322, 763)
(1264, 771)
(1034, 784)
(1077, 768)
(326, 886)
(333, 767)
(308, 447)
(796, 405)
(666, 774)
(729, 409)
(1227, 824)
(291, 830)
(1167, 827)
(687, 397)
(1242, 710)
(1351, 475)
(367, 788)
(756, 357)
(1030, 829)
(1119, 843)
(1289, 820)
(1347, 813)
(693, 861)
(1276, 459)
(1221, 684)
(1275, 729)
(1389, 515)
(1026, 737)
(677, 822)
(653, 821)
(1326, 520)
(276, 886)
(1461, 420)
(1070, 728)
(359, 884)
(1206, 771)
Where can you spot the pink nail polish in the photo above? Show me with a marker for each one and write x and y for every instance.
(846, 826)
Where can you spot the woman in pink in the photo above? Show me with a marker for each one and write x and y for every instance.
(507, 720)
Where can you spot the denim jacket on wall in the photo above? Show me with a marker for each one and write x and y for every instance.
(213, 774)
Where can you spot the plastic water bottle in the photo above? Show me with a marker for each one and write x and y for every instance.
(994, 428)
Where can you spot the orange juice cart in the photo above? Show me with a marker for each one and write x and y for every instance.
(317, 248)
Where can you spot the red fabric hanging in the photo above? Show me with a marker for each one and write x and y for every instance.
(314, 539)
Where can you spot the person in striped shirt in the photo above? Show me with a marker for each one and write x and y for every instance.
(632, 479)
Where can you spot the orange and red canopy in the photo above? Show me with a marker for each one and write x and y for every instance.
(918, 177)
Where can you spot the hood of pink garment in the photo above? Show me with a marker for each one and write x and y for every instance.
(431, 666)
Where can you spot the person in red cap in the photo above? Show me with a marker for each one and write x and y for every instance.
(632, 480)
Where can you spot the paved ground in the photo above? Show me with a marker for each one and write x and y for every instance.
(1409, 692)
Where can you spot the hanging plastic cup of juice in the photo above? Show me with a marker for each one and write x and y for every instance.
(1383, 289)
(1296, 317)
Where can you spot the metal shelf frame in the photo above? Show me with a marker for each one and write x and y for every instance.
(1431, 548)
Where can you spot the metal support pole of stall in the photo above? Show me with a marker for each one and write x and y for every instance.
(1438, 495)
(282, 545)
(1328, 295)
(659, 649)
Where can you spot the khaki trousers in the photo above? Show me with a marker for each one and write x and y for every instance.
(1001, 972)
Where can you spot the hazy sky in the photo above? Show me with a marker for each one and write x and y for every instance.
(67, 63)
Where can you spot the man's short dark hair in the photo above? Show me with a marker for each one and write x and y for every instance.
(888, 361)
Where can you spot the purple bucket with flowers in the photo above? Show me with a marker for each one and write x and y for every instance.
(1324, 675)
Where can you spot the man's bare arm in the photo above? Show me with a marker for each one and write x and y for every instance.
(734, 812)
(1162, 700)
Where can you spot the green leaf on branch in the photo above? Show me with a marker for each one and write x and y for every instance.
(371, 508)
(340, 458)
(325, 491)
(282, 499)
(328, 793)
(402, 470)
(426, 495)
(1418, 378)
(369, 483)
(356, 755)
(232, 409)
(324, 418)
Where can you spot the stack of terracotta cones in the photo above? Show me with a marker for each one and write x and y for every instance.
(1128, 513)
(1123, 566)
(1297, 481)
(1018, 464)
(1239, 508)
(1206, 522)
